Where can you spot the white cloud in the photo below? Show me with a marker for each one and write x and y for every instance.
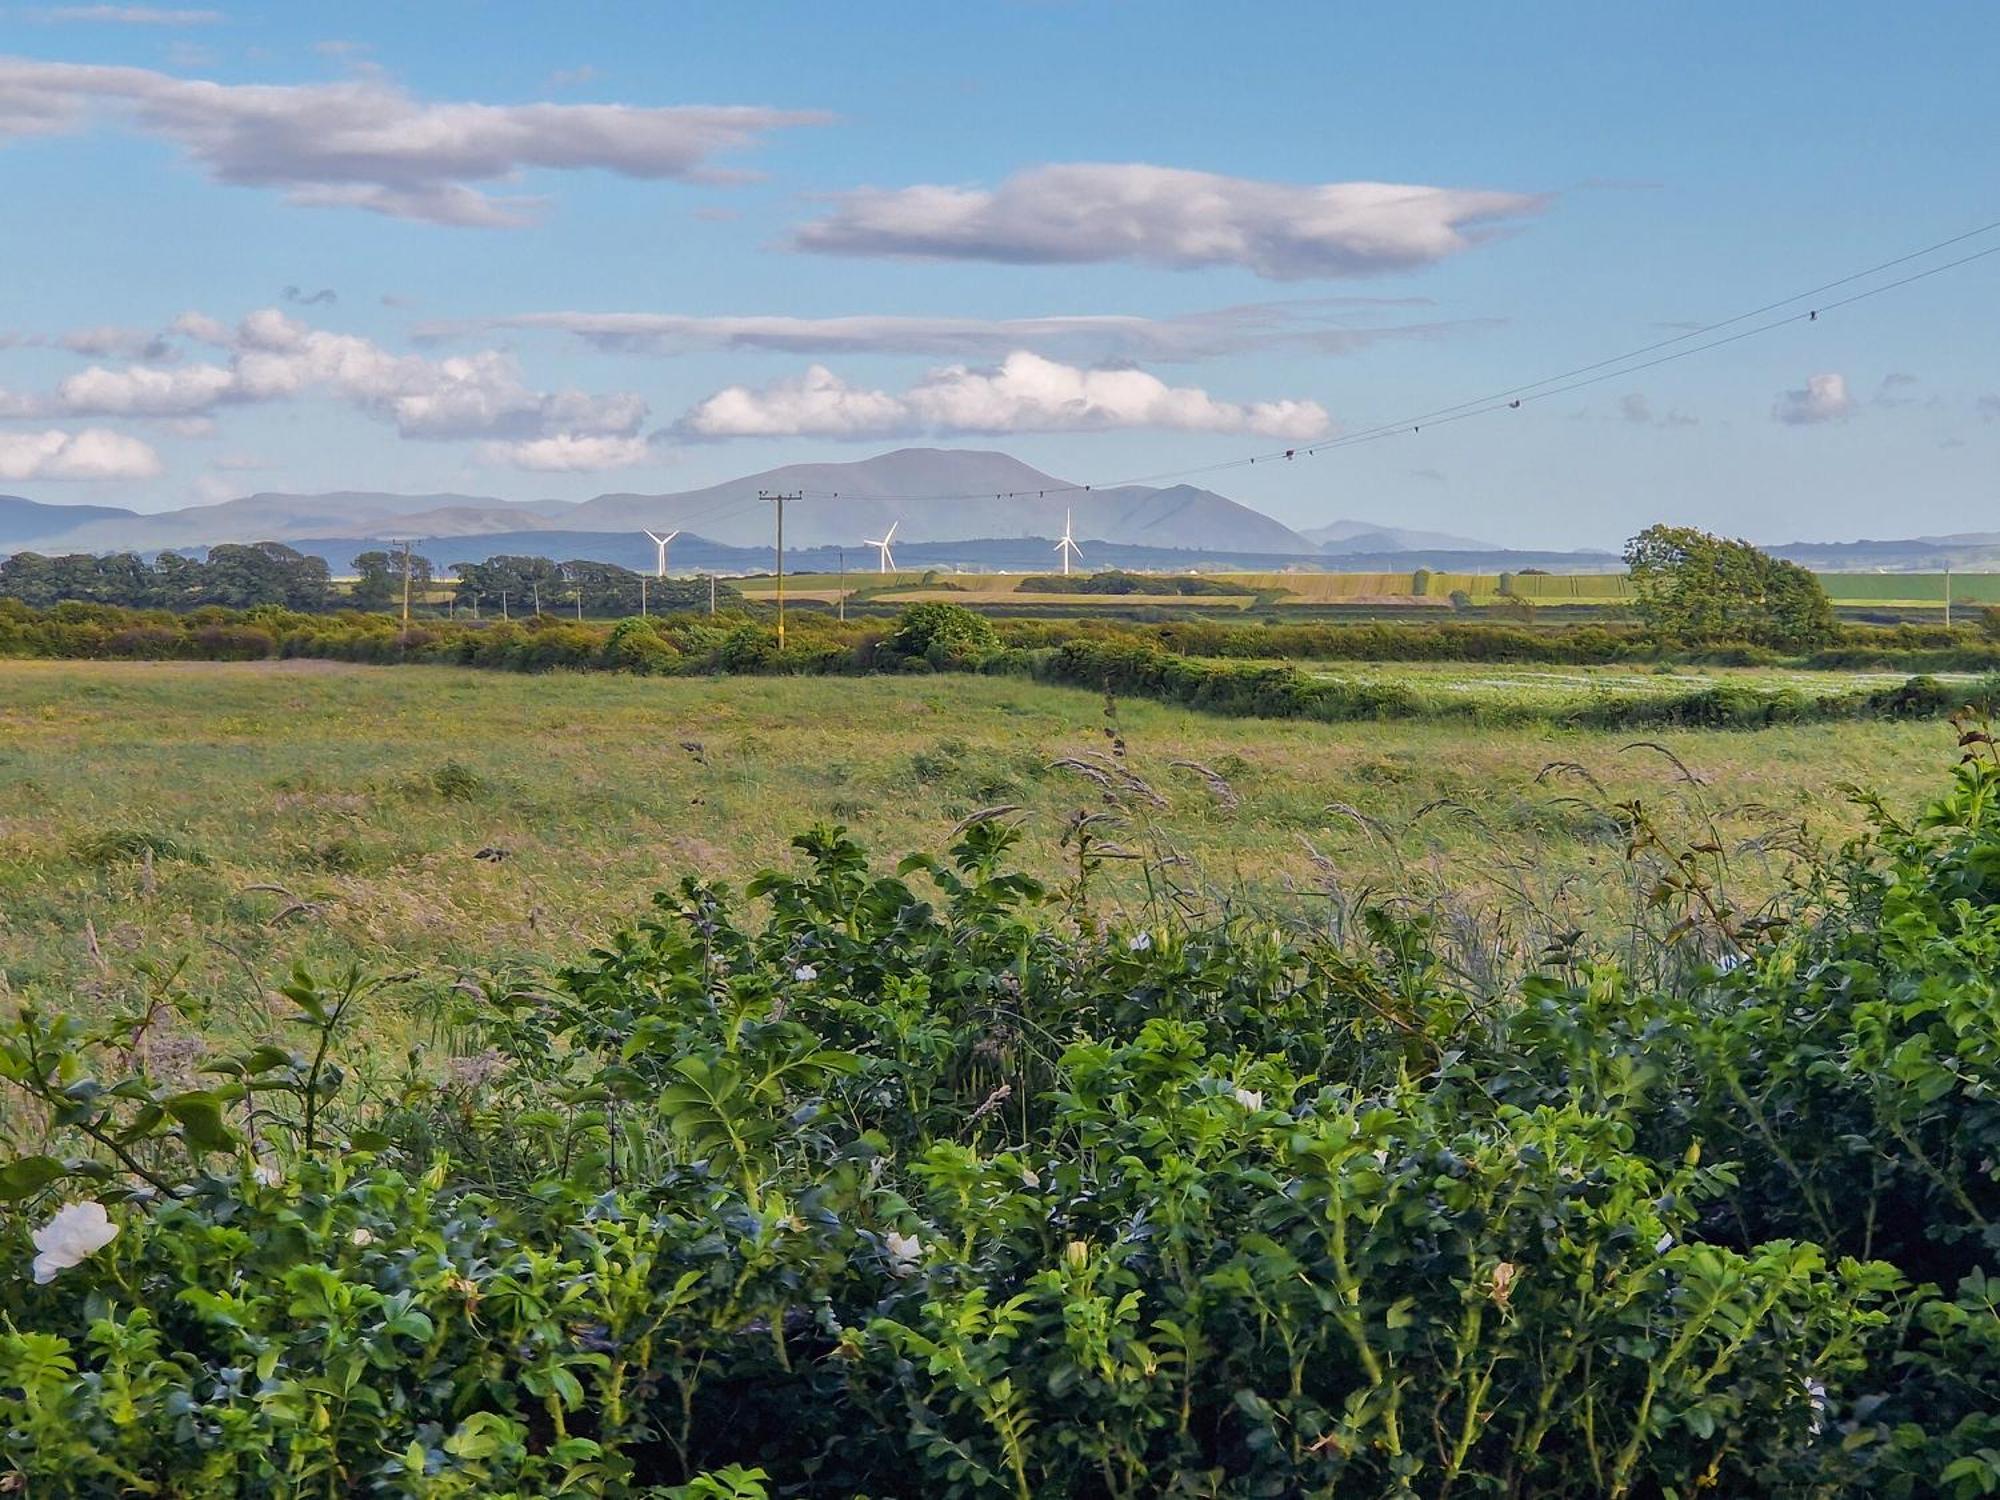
(129, 15)
(144, 391)
(818, 403)
(91, 454)
(1899, 388)
(1323, 325)
(569, 453)
(1637, 408)
(276, 358)
(203, 329)
(363, 143)
(1824, 399)
(20, 405)
(111, 342)
(1087, 212)
(1026, 393)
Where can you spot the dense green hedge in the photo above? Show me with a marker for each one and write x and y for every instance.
(1283, 692)
(935, 636)
(942, 1184)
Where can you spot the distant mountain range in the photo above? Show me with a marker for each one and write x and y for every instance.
(25, 522)
(695, 553)
(929, 495)
(1917, 554)
(950, 507)
(1352, 537)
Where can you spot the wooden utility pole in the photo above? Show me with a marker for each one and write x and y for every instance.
(406, 588)
(780, 500)
(711, 594)
(642, 596)
(1947, 596)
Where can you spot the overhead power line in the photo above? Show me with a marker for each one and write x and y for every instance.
(1612, 367)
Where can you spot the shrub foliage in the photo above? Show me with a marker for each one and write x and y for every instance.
(1189, 663)
(943, 1182)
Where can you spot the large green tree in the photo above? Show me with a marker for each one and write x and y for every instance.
(243, 576)
(379, 578)
(1694, 587)
(605, 588)
(511, 585)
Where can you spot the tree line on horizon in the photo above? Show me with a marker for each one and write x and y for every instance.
(251, 575)
(1689, 586)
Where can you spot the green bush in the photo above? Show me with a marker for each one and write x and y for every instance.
(940, 1182)
(942, 633)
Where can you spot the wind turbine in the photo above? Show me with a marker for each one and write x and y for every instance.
(660, 547)
(885, 560)
(1068, 545)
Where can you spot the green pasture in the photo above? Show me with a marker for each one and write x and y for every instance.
(436, 818)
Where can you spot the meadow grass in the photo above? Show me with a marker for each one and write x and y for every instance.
(240, 816)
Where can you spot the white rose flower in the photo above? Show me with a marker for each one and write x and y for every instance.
(1250, 1099)
(904, 1251)
(78, 1231)
(361, 1239)
(805, 973)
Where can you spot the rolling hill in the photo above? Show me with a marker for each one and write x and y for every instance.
(1346, 537)
(944, 494)
(277, 517)
(930, 494)
(24, 521)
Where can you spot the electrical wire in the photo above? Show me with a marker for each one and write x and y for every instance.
(1514, 397)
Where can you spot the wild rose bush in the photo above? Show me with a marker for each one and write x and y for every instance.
(935, 1183)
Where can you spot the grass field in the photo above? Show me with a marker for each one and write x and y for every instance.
(331, 813)
(1545, 590)
(1559, 689)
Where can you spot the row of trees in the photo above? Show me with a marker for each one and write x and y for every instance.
(509, 586)
(246, 576)
(236, 576)
(1690, 587)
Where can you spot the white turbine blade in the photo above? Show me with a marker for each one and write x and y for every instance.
(655, 538)
(889, 561)
(890, 535)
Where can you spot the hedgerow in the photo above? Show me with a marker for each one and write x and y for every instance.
(940, 636)
(945, 1182)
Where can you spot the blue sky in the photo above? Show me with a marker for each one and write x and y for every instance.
(1588, 179)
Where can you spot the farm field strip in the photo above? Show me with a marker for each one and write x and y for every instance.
(440, 817)
(1505, 679)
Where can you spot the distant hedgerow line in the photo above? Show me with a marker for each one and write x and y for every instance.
(1158, 663)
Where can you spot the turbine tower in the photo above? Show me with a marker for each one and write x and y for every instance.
(660, 548)
(885, 560)
(1067, 546)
